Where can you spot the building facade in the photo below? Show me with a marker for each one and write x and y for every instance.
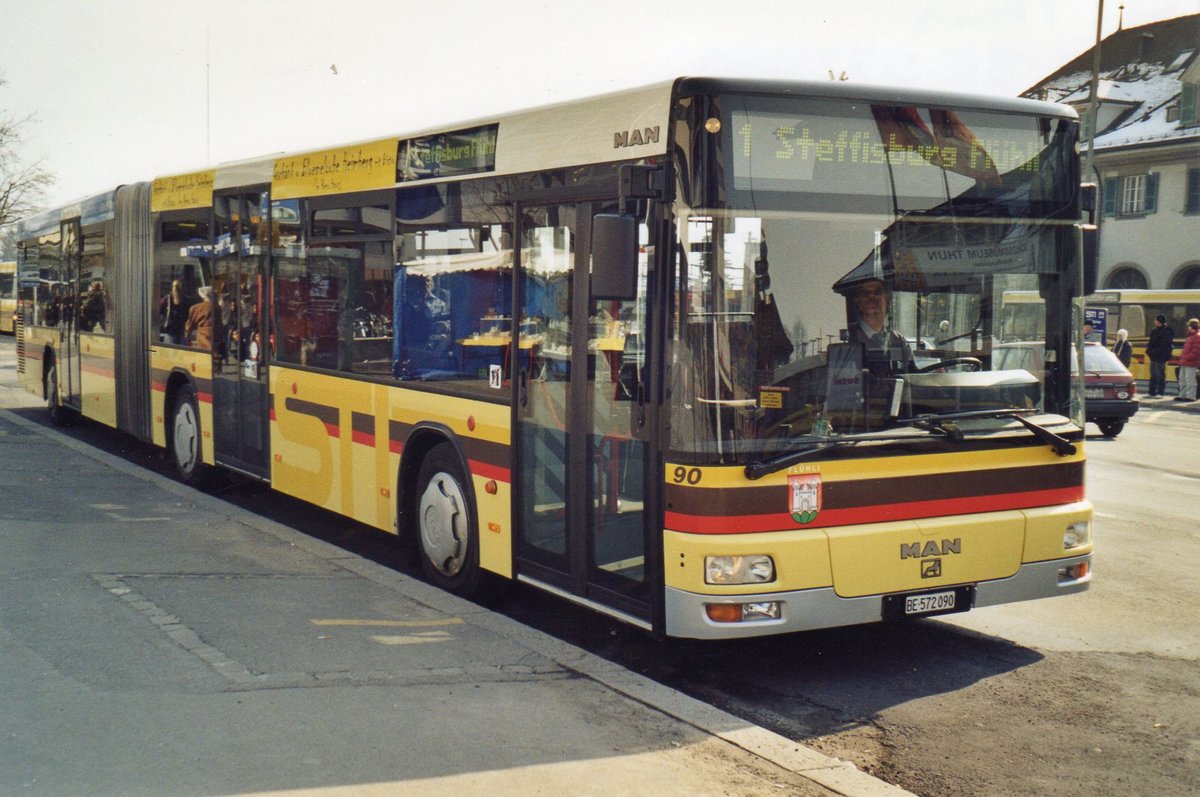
(1147, 150)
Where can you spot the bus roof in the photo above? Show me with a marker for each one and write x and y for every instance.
(631, 123)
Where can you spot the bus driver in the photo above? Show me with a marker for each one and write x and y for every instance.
(886, 350)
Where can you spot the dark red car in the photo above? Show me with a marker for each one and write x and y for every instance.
(1110, 390)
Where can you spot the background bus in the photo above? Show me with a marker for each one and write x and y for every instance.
(8, 295)
(1135, 310)
(626, 363)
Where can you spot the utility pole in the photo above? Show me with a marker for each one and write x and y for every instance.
(1091, 112)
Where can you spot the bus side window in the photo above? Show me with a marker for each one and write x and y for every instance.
(453, 303)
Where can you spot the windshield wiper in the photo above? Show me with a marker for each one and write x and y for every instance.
(759, 468)
(1061, 445)
(935, 424)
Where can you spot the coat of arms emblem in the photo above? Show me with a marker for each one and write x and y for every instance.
(804, 491)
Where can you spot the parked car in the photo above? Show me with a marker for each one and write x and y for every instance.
(1110, 397)
(1110, 391)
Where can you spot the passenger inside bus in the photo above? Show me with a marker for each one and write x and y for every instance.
(200, 320)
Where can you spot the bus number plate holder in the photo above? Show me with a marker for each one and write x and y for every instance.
(927, 604)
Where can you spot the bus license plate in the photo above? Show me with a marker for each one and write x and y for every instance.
(930, 602)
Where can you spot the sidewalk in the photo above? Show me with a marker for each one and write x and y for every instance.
(155, 640)
(1167, 402)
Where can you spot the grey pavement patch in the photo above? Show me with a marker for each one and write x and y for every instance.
(832, 773)
(183, 636)
(294, 636)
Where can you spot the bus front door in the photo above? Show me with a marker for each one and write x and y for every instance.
(69, 375)
(580, 454)
(240, 412)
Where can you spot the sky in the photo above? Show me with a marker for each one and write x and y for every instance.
(125, 90)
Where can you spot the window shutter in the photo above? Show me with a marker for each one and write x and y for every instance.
(1110, 196)
(1187, 105)
(1151, 203)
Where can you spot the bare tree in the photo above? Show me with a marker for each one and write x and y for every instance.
(22, 185)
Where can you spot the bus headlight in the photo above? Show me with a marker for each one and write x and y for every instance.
(1077, 534)
(752, 569)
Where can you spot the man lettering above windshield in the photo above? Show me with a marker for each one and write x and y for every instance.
(887, 351)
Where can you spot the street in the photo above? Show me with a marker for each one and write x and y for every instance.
(1092, 694)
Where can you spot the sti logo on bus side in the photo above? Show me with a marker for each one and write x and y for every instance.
(917, 551)
(635, 137)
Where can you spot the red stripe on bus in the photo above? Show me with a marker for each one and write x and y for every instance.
(781, 521)
(395, 447)
(333, 430)
(158, 387)
(204, 398)
(107, 373)
(363, 438)
(485, 470)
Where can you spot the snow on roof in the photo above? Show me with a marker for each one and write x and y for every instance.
(1140, 72)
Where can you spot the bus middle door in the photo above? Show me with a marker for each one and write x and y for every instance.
(240, 412)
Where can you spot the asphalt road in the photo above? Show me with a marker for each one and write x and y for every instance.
(1091, 694)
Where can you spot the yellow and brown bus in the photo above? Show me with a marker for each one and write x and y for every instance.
(1134, 310)
(8, 295)
(616, 348)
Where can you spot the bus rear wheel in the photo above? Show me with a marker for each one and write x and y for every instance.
(445, 524)
(185, 438)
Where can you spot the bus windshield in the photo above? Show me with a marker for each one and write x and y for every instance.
(846, 273)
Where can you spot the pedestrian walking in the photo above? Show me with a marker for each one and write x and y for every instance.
(1158, 350)
(1189, 362)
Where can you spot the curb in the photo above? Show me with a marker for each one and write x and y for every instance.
(835, 774)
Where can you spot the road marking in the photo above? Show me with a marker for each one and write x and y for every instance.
(111, 511)
(392, 623)
(422, 638)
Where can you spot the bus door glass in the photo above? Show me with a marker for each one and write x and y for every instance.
(580, 455)
(240, 417)
(68, 320)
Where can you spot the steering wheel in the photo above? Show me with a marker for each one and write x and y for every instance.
(970, 363)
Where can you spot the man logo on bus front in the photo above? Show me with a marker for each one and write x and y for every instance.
(804, 490)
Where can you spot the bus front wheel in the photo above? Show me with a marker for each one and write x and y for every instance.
(446, 523)
(185, 438)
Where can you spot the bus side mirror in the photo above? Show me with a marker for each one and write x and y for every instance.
(614, 257)
(1091, 257)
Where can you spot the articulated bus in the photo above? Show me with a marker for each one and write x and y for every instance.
(1134, 310)
(617, 348)
(8, 295)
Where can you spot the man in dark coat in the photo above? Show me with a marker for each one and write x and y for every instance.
(1158, 350)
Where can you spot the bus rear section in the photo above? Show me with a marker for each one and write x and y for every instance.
(8, 296)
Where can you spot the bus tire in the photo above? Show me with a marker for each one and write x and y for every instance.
(185, 437)
(446, 528)
(60, 414)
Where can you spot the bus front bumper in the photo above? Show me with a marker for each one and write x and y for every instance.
(810, 609)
